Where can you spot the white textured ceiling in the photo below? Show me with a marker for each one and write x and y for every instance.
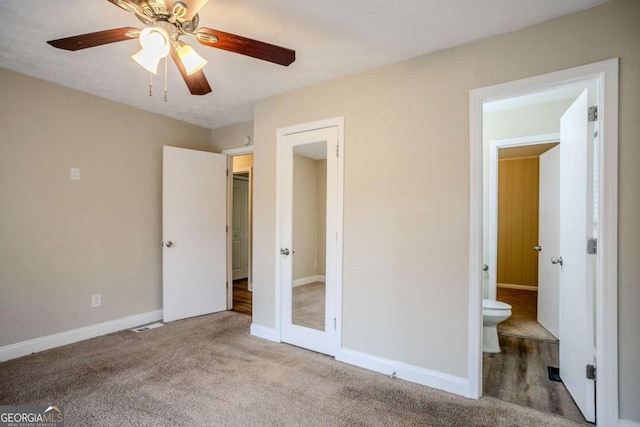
(332, 38)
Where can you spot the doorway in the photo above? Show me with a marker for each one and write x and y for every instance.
(527, 221)
(240, 229)
(597, 308)
(309, 235)
(517, 259)
(526, 371)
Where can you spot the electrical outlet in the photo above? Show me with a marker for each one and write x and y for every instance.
(96, 300)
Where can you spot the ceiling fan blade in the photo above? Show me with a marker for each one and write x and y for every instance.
(99, 38)
(193, 6)
(246, 46)
(196, 82)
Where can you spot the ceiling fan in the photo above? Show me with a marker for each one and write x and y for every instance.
(165, 21)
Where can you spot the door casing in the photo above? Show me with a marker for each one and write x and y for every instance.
(605, 74)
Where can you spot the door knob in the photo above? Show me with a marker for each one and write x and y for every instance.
(168, 243)
(284, 251)
(485, 267)
(537, 248)
(556, 260)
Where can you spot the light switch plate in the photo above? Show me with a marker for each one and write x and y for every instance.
(96, 300)
(75, 174)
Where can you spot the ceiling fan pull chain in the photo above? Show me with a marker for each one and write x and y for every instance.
(150, 84)
(165, 79)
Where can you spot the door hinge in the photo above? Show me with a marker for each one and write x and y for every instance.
(592, 246)
(335, 324)
(591, 372)
(226, 228)
(337, 151)
(593, 114)
(227, 172)
(227, 284)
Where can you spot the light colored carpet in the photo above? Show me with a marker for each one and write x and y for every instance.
(524, 309)
(209, 371)
(308, 305)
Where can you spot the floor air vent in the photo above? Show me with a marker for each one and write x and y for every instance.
(554, 374)
(145, 328)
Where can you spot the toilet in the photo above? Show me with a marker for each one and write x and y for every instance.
(493, 312)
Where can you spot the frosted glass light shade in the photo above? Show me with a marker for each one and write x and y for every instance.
(155, 46)
(190, 59)
(147, 60)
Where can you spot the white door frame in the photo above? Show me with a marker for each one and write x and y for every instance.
(605, 73)
(494, 148)
(231, 153)
(280, 134)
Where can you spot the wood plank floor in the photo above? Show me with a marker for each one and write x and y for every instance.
(242, 298)
(523, 320)
(519, 375)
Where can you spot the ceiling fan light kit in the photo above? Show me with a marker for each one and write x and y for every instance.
(165, 21)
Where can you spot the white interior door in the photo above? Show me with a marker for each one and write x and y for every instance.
(549, 240)
(308, 195)
(193, 233)
(576, 281)
(240, 232)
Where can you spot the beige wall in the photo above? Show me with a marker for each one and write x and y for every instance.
(231, 136)
(305, 217)
(63, 240)
(321, 180)
(406, 221)
(518, 221)
(309, 217)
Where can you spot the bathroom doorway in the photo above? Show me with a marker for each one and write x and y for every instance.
(525, 218)
(586, 213)
(530, 357)
(526, 371)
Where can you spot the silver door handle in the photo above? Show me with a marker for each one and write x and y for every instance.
(485, 267)
(284, 251)
(168, 243)
(537, 248)
(556, 260)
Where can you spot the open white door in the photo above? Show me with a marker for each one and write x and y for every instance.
(576, 281)
(194, 233)
(549, 240)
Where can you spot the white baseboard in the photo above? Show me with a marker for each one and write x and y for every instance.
(628, 423)
(264, 332)
(520, 287)
(307, 280)
(35, 345)
(415, 374)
